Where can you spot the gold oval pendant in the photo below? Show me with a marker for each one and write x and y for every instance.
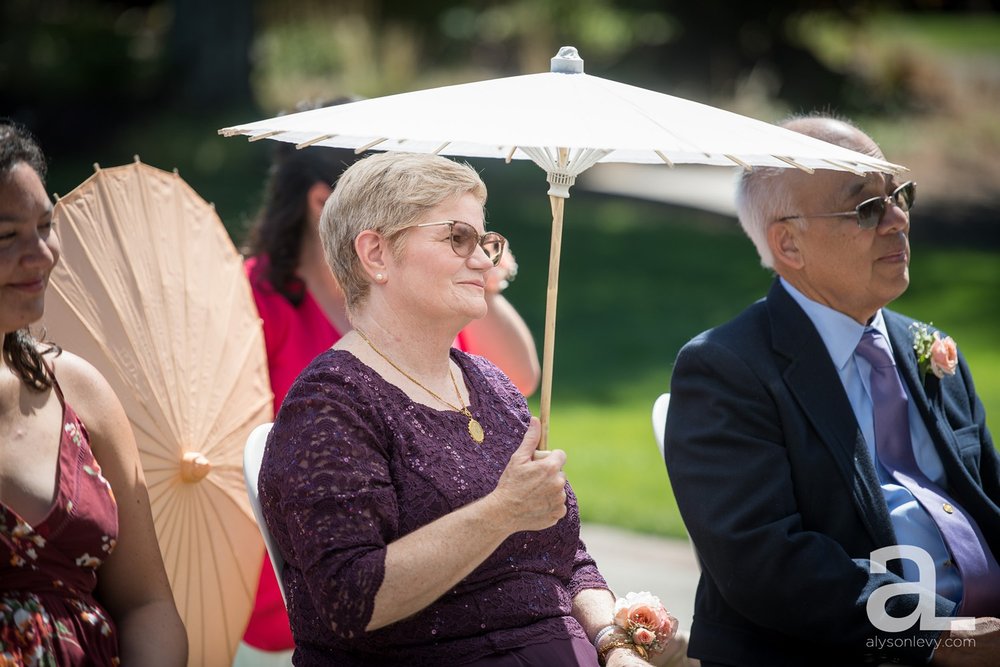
(476, 431)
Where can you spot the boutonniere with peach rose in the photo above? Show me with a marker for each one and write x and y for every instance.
(935, 354)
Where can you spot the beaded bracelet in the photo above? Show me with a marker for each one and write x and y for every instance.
(602, 633)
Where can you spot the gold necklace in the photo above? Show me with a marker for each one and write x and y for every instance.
(475, 428)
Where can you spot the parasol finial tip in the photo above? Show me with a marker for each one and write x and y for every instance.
(97, 167)
(195, 467)
(136, 159)
(567, 61)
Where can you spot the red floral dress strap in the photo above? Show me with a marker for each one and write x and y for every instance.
(48, 614)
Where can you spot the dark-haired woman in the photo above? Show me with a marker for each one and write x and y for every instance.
(81, 577)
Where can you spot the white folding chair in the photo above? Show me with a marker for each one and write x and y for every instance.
(660, 418)
(252, 455)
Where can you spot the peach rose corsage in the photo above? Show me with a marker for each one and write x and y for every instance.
(647, 624)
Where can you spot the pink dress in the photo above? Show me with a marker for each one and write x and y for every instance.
(48, 572)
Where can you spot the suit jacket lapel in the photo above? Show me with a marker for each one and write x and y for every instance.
(906, 362)
(925, 392)
(813, 380)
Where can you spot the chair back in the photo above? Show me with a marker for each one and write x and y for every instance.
(660, 418)
(252, 455)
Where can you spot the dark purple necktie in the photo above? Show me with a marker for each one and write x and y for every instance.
(970, 554)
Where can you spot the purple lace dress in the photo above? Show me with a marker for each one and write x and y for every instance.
(352, 464)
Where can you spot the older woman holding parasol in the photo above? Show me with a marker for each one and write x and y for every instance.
(399, 479)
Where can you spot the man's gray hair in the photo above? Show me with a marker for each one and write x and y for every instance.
(762, 197)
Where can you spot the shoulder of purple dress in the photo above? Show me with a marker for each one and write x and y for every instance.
(332, 373)
(334, 391)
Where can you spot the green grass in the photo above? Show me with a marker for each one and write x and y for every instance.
(614, 465)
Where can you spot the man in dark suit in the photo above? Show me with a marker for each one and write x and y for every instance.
(770, 446)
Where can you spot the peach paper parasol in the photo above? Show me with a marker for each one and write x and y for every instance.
(151, 290)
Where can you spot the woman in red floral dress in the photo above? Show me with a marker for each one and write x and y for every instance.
(81, 576)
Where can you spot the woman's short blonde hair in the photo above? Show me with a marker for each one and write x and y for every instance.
(386, 193)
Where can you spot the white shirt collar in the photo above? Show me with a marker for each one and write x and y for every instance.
(840, 333)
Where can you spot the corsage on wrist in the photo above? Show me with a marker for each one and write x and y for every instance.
(641, 625)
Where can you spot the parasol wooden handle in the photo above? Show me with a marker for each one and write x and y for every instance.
(551, 296)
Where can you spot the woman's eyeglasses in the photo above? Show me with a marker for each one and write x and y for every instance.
(464, 239)
(871, 211)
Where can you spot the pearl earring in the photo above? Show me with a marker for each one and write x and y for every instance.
(379, 277)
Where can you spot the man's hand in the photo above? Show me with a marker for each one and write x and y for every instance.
(970, 648)
(675, 655)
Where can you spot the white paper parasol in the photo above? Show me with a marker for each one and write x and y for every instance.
(565, 121)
